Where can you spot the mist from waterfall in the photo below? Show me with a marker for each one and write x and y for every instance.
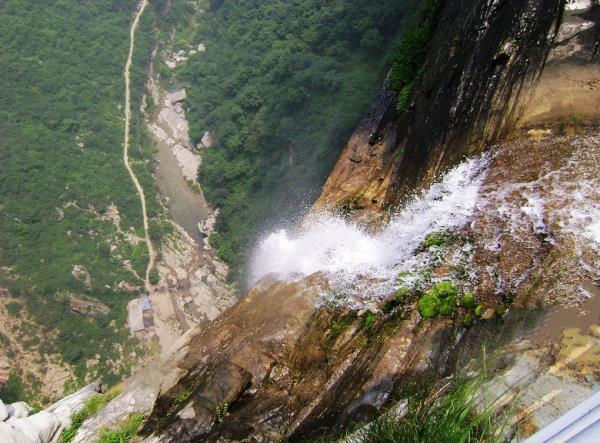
(346, 253)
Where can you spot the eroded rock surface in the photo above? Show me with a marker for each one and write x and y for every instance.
(44, 426)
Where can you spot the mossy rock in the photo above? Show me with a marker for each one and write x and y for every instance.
(402, 293)
(439, 238)
(429, 305)
(468, 320)
(439, 300)
(479, 310)
(447, 305)
(468, 301)
(444, 289)
(370, 320)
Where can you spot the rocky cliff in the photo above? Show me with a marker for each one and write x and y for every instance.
(506, 260)
(484, 58)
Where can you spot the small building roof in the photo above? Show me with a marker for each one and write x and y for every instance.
(145, 304)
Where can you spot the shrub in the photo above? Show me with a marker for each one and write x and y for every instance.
(154, 276)
(14, 308)
(412, 51)
(13, 390)
(479, 310)
(469, 320)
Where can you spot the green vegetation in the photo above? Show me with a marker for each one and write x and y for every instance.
(338, 326)
(154, 276)
(410, 56)
(221, 413)
(13, 390)
(370, 320)
(454, 414)
(282, 85)
(402, 293)
(61, 133)
(92, 405)
(182, 397)
(479, 310)
(126, 431)
(467, 300)
(576, 118)
(14, 308)
(453, 418)
(438, 238)
(468, 320)
(439, 300)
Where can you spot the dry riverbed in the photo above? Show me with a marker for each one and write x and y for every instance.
(193, 283)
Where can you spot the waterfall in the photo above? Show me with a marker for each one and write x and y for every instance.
(345, 253)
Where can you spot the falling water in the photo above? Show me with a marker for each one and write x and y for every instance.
(346, 253)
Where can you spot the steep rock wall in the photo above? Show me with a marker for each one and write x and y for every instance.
(484, 58)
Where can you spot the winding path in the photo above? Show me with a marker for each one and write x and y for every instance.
(140, 190)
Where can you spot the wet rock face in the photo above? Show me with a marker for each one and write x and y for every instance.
(534, 225)
(277, 365)
(483, 55)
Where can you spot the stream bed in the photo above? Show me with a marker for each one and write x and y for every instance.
(176, 163)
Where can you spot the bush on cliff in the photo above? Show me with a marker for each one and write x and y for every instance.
(410, 56)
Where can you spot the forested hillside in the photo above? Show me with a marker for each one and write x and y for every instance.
(69, 214)
(281, 85)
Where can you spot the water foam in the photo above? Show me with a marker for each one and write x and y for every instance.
(346, 253)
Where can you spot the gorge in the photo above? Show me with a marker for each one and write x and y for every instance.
(454, 245)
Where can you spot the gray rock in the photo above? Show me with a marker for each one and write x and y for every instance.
(20, 409)
(3, 411)
(139, 396)
(45, 426)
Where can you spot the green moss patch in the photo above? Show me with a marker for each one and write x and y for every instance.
(439, 238)
(439, 300)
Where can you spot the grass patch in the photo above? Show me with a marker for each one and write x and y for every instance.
(92, 406)
(452, 417)
(127, 429)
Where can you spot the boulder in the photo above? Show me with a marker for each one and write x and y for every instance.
(40, 427)
(20, 409)
(45, 426)
(207, 139)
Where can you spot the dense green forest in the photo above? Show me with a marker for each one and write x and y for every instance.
(61, 134)
(281, 85)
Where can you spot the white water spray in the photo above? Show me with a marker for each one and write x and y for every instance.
(345, 253)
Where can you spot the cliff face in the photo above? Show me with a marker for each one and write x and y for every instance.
(281, 364)
(484, 57)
